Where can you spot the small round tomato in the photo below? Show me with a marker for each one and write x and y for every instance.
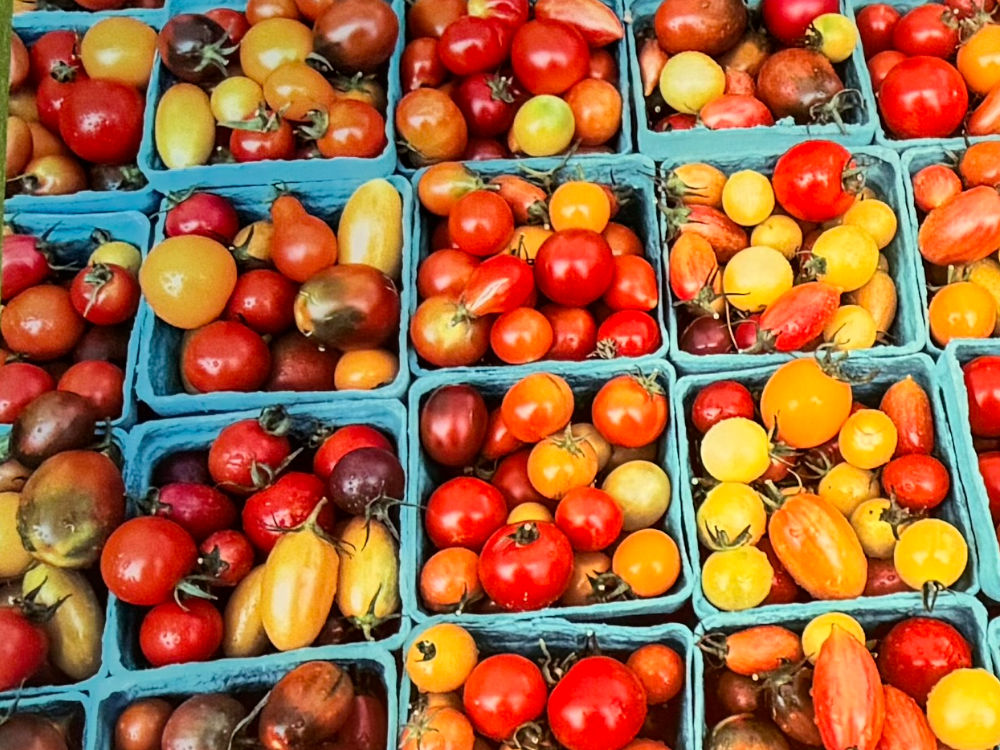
(735, 450)
(295, 90)
(174, 633)
(818, 630)
(931, 551)
(917, 482)
(925, 30)
(225, 356)
(432, 126)
(188, 280)
(978, 61)
(119, 49)
(630, 410)
(441, 659)
(228, 555)
(867, 439)
(481, 223)
(20, 384)
(690, 80)
(808, 181)
(438, 728)
(661, 671)
(271, 43)
(918, 651)
(982, 382)
(526, 567)
(934, 186)
(472, 44)
(648, 561)
(641, 489)
(105, 294)
(747, 197)
(597, 111)
(41, 323)
(537, 406)
(590, 519)
(543, 126)
(755, 277)
(579, 205)
(812, 405)
(101, 121)
(574, 332)
(502, 693)
(923, 97)
(880, 65)
(835, 36)
(721, 400)
(283, 505)
(548, 57)
(961, 709)
(444, 335)
(732, 514)
(262, 300)
(450, 579)
(845, 256)
(248, 448)
(353, 129)
(343, 441)
(876, 218)
(520, 336)
(101, 383)
(875, 26)
(737, 579)
(962, 310)
(511, 478)
(561, 463)
(574, 267)
(145, 558)
(445, 272)
(464, 512)
(846, 487)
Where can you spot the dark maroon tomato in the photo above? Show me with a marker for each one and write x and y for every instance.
(224, 356)
(227, 556)
(204, 721)
(53, 422)
(706, 335)
(356, 35)
(284, 505)
(366, 727)
(989, 468)
(421, 65)
(309, 704)
(464, 512)
(487, 102)
(248, 454)
(918, 652)
(31, 732)
(453, 424)
(298, 364)
(204, 214)
(198, 508)
(105, 343)
(262, 300)
(628, 333)
(52, 49)
(790, 699)
(883, 579)
(105, 294)
(738, 694)
(183, 466)
(473, 44)
(194, 48)
(274, 139)
(721, 400)
(172, 633)
(115, 177)
(23, 265)
(365, 476)
(797, 83)
(101, 121)
(574, 332)
(484, 149)
(875, 26)
(101, 383)
(20, 384)
(232, 21)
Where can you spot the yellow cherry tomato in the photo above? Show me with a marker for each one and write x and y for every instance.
(963, 709)
(271, 43)
(526, 512)
(845, 256)
(877, 537)
(119, 49)
(527, 240)
(819, 628)
(868, 439)
(737, 579)
(579, 205)
(845, 487)
(120, 254)
(808, 405)
(838, 36)
(875, 217)
(781, 232)
(236, 99)
(735, 450)
(441, 658)
(979, 59)
(365, 369)
(648, 561)
(748, 198)
(561, 463)
(732, 514)
(755, 277)
(187, 280)
(851, 327)
(930, 551)
(642, 490)
(690, 80)
(963, 310)
(543, 126)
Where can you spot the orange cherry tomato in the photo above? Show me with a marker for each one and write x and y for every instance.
(561, 463)
(808, 405)
(630, 410)
(597, 110)
(648, 561)
(962, 310)
(295, 90)
(520, 336)
(537, 406)
(271, 43)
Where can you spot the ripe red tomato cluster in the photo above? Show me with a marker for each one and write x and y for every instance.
(530, 273)
(507, 697)
(959, 211)
(793, 507)
(76, 108)
(302, 314)
(482, 81)
(931, 65)
(288, 79)
(820, 686)
(982, 382)
(703, 64)
(214, 518)
(537, 530)
(65, 330)
(781, 263)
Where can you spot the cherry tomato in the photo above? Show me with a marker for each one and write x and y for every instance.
(101, 121)
(574, 332)
(262, 300)
(229, 555)
(353, 128)
(880, 65)
(444, 335)
(502, 693)
(960, 709)
(526, 567)
(432, 126)
(471, 44)
(450, 579)
(225, 356)
(548, 57)
(41, 323)
(982, 383)
(924, 30)
(271, 43)
(648, 561)
(445, 272)
(105, 294)
(661, 671)
(962, 310)
(24, 648)
(119, 49)
(249, 448)
(521, 335)
(927, 85)
(579, 205)
(481, 223)
(630, 410)
(487, 102)
(464, 512)
(809, 181)
(20, 384)
(101, 383)
(272, 139)
(172, 633)
(188, 280)
(284, 505)
(145, 558)
(721, 400)
(735, 111)
(204, 214)
(978, 61)
(511, 478)
(560, 463)
(918, 652)
(918, 482)
(597, 111)
(590, 519)
(875, 26)
(50, 50)
(574, 267)
(543, 126)
(537, 406)
(628, 333)
(343, 441)
(429, 18)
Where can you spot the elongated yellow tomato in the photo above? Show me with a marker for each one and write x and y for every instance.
(14, 558)
(76, 627)
(755, 277)
(368, 586)
(187, 280)
(185, 127)
(299, 586)
(371, 228)
(243, 631)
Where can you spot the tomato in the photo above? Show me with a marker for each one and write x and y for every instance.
(962, 310)
(101, 121)
(498, 285)
(450, 579)
(875, 26)
(876, 218)
(732, 514)
(119, 49)
(918, 482)
(432, 126)
(930, 551)
(548, 57)
(233, 22)
(735, 111)
(537, 406)
(690, 81)
(926, 30)
(712, 28)
(880, 65)
(172, 633)
(445, 272)
(343, 441)
(737, 579)
(867, 439)
(200, 509)
(847, 693)
(788, 21)
(51, 96)
(812, 405)
(487, 102)
(543, 126)
(442, 659)
(628, 333)
(268, 514)
(526, 567)
(928, 86)
(561, 463)
(41, 323)
(224, 356)
(444, 335)
(352, 128)
(303, 243)
(101, 383)
(599, 704)
(438, 728)
(20, 384)
(961, 709)
(145, 558)
(429, 18)
(471, 44)
(481, 223)
(511, 478)
(756, 277)
(187, 280)
(590, 519)
(105, 294)
(579, 205)
(641, 489)
(24, 648)
(918, 652)
(574, 267)
(356, 36)
(203, 214)
(721, 400)
(51, 49)
(661, 671)
(270, 138)
(502, 693)
(262, 300)
(521, 335)
(735, 450)
(630, 410)
(229, 555)
(574, 332)
(271, 43)
(978, 61)
(934, 186)
(648, 561)
(464, 512)
(808, 181)
(597, 111)
(821, 627)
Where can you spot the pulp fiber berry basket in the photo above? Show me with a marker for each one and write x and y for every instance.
(908, 333)
(621, 143)
(880, 375)
(152, 16)
(876, 616)
(421, 483)
(633, 174)
(159, 383)
(561, 638)
(858, 129)
(71, 706)
(994, 640)
(952, 384)
(245, 679)
(75, 231)
(882, 137)
(31, 26)
(262, 172)
(151, 442)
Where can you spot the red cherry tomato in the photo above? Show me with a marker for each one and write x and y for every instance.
(275, 140)
(925, 31)
(989, 467)
(628, 333)
(918, 482)
(172, 633)
(225, 356)
(502, 693)
(145, 558)
(200, 509)
(342, 442)
(918, 652)
(549, 57)
(263, 301)
(875, 26)
(511, 478)
(101, 121)
(633, 285)
(526, 567)
(229, 555)
(471, 44)
(445, 272)
(248, 454)
(481, 223)
(735, 111)
(464, 512)
(574, 332)
(284, 505)
(880, 65)
(574, 267)
(488, 103)
(923, 97)
(722, 399)
(520, 336)
(101, 383)
(105, 294)
(20, 384)
(204, 214)
(982, 383)
(51, 50)
(23, 648)
(498, 285)
(590, 519)
(809, 181)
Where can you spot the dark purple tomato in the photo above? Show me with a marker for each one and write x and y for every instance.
(364, 476)
(706, 335)
(54, 422)
(106, 343)
(183, 466)
(194, 48)
(453, 424)
(298, 364)
(204, 721)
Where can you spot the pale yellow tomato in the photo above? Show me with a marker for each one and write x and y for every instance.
(845, 487)
(877, 537)
(781, 232)
(748, 198)
(732, 514)
(690, 80)
(851, 327)
(755, 277)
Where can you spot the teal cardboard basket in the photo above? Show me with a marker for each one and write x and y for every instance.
(247, 679)
(159, 381)
(883, 172)
(956, 399)
(561, 638)
(262, 172)
(421, 483)
(74, 231)
(632, 174)
(859, 126)
(151, 442)
(882, 374)
(72, 705)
